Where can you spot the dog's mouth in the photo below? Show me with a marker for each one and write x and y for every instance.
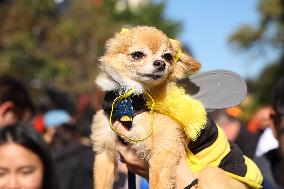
(152, 76)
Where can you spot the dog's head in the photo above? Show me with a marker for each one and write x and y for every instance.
(143, 57)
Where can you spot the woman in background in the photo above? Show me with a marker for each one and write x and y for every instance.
(25, 160)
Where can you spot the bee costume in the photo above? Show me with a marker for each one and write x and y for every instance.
(207, 143)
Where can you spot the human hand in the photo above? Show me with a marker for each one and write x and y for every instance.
(129, 157)
(184, 175)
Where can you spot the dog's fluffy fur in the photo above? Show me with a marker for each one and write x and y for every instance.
(129, 63)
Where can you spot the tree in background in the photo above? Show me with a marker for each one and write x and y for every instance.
(47, 42)
(268, 34)
(58, 42)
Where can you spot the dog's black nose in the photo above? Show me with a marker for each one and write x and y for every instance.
(159, 65)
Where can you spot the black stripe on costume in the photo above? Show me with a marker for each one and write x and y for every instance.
(206, 138)
(234, 161)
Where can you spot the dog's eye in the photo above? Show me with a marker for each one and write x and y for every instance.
(137, 55)
(168, 57)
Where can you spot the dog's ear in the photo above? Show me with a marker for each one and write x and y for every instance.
(184, 64)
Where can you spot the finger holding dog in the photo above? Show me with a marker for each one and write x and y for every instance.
(129, 157)
(140, 167)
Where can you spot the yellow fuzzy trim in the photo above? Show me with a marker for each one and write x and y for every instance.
(190, 113)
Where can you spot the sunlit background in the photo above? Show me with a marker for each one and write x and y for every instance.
(53, 47)
(207, 27)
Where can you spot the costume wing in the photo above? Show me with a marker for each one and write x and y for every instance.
(216, 89)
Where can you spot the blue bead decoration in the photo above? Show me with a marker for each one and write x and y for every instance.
(124, 109)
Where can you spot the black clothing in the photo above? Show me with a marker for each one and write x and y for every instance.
(247, 142)
(74, 166)
(272, 168)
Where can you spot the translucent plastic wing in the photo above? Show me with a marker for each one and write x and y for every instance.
(216, 89)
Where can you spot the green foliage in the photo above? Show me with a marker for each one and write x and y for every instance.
(267, 34)
(246, 37)
(150, 14)
(60, 45)
(264, 85)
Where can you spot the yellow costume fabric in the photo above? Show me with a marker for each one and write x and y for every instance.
(215, 153)
(191, 114)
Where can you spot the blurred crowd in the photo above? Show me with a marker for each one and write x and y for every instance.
(50, 148)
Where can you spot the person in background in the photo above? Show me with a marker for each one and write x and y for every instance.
(260, 120)
(229, 121)
(15, 102)
(261, 124)
(271, 163)
(72, 152)
(234, 128)
(25, 161)
(59, 129)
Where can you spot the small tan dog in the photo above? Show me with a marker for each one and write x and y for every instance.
(146, 60)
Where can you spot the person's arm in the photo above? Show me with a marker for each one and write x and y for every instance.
(183, 174)
(209, 177)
